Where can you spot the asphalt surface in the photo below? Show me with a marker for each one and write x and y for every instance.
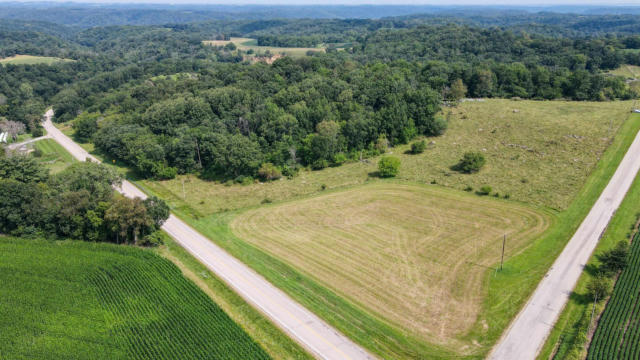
(320, 339)
(529, 331)
(16, 146)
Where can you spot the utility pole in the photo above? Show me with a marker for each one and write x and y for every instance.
(595, 301)
(504, 240)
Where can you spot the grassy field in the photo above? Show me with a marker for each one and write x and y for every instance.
(246, 44)
(541, 154)
(54, 156)
(72, 300)
(416, 255)
(627, 71)
(505, 291)
(31, 60)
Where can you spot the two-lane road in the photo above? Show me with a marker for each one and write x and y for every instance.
(311, 332)
(528, 332)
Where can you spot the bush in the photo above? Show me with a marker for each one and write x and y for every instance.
(485, 190)
(468, 189)
(268, 172)
(418, 147)
(266, 201)
(598, 288)
(339, 159)
(37, 152)
(319, 164)
(323, 187)
(471, 162)
(388, 166)
(37, 131)
(615, 259)
(163, 172)
(153, 239)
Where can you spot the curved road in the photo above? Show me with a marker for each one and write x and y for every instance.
(311, 332)
(528, 332)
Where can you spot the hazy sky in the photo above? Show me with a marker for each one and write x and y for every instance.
(361, 2)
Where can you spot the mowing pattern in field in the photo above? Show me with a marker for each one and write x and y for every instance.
(81, 300)
(618, 332)
(414, 254)
(54, 156)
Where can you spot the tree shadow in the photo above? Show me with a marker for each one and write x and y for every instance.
(581, 299)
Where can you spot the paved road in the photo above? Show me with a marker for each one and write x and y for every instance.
(528, 332)
(15, 146)
(318, 337)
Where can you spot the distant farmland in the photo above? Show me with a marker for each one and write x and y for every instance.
(31, 60)
(415, 254)
(72, 300)
(246, 44)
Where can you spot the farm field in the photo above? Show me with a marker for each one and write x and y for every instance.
(618, 333)
(414, 254)
(542, 154)
(31, 60)
(54, 156)
(246, 44)
(628, 71)
(69, 299)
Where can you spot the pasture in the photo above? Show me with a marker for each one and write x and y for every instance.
(65, 300)
(416, 255)
(627, 71)
(246, 44)
(31, 60)
(537, 152)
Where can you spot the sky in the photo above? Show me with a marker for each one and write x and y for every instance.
(369, 2)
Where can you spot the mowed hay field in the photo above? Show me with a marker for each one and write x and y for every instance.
(245, 44)
(31, 60)
(415, 254)
(53, 156)
(79, 300)
(537, 152)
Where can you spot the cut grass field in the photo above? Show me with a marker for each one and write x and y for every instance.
(54, 156)
(31, 60)
(246, 44)
(416, 255)
(542, 154)
(569, 129)
(72, 300)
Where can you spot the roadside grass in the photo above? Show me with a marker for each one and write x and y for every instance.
(541, 154)
(410, 253)
(569, 335)
(275, 342)
(246, 44)
(31, 60)
(506, 291)
(73, 299)
(54, 156)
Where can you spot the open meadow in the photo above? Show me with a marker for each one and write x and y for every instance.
(52, 155)
(537, 152)
(246, 44)
(31, 60)
(414, 254)
(65, 300)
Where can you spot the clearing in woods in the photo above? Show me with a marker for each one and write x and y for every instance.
(415, 254)
(246, 44)
(31, 60)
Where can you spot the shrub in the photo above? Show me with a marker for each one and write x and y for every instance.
(37, 152)
(615, 259)
(485, 190)
(248, 180)
(323, 187)
(471, 162)
(268, 172)
(598, 288)
(266, 201)
(468, 189)
(339, 159)
(388, 166)
(319, 164)
(163, 172)
(382, 144)
(153, 239)
(289, 171)
(37, 131)
(418, 147)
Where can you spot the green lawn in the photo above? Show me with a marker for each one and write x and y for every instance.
(246, 44)
(506, 291)
(73, 300)
(31, 60)
(54, 156)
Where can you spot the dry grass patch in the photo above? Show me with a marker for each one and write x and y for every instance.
(537, 152)
(246, 44)
(414, 254)
(31, 60)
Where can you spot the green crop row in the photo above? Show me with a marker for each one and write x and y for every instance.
(76, 300)
(618, 333)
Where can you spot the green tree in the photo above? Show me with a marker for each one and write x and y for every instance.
(599, 287)
(128, 220)
(85, 125)
(22, 168)
(471, 162)
(157, 209)
(614, 260)
(388, 166)
(457, 91)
